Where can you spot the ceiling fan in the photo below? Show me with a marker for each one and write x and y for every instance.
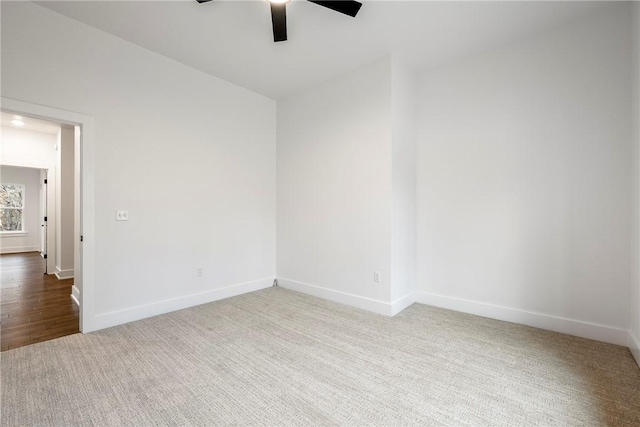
(279, 13)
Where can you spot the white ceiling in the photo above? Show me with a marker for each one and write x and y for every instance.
(30, 124)
(232, 39)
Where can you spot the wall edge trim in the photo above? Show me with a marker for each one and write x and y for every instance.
(403, 302)
(634, 346)
(75, 295)
(63, 274)
(548, 322)
(357, 301)
(18, 249)
(131, 314)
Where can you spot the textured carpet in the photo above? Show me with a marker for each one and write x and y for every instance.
(277, 357)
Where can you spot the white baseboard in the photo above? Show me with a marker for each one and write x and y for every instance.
(563, 325)
(18, 249)
(119, 317)
(75, 295)
(63, 274)
(369, 304)
(403, 302)
(634, 346)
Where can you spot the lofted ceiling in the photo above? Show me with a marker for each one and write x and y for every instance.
(232, 39)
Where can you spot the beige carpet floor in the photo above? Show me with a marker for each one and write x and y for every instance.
(277, 357)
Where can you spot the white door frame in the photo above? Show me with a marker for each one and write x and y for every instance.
(42, 212)
(86, 271)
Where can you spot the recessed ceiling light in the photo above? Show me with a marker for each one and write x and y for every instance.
(17, 122)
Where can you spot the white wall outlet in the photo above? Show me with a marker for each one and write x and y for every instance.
(377, 277)
(122, 215)
(199, 272)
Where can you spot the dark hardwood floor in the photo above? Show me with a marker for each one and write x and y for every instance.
(36, 307)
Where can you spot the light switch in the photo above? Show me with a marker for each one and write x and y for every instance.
(122, 215)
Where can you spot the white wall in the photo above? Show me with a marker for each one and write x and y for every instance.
(634, 341)
(30, 240)
(65, 203)
(334, 188)
(21, 147)
(403, 199)
(191, 157)
(346, 188)
(524, 180)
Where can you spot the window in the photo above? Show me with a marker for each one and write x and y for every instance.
(11, 207)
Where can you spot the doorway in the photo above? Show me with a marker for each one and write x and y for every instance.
(36, 259)
(83, 224)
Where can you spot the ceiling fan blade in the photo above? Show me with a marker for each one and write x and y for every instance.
(202, 1)
(279, 21)
(350, 8)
